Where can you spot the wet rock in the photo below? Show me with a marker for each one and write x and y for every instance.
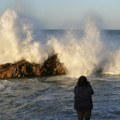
(23, 68)
(52, 66)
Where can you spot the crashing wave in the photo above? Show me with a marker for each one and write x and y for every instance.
(81, 55)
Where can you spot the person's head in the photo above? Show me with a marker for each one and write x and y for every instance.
(82, 81)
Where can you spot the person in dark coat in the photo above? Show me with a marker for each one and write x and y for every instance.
(83, 98)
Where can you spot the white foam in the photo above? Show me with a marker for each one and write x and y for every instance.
(82, 55)
(17, 40)
(4, 84)
(113, 67)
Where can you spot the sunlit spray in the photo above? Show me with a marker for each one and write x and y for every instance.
(79, 55)
(17, 41)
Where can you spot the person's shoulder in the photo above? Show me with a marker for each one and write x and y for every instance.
(89, 85)
(75, 87)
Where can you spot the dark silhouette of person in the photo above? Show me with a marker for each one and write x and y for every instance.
(83, 98)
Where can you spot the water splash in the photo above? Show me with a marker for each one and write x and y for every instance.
(17, 40)
(79, 55)
(113, 66)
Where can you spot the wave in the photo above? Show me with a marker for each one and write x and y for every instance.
(82, 55)
(17, 41)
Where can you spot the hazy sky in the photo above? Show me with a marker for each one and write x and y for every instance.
(57, 14)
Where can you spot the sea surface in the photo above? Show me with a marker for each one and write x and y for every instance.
(52, 98)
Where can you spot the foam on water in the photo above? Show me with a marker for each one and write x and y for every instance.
(3, 84)
(113, 67)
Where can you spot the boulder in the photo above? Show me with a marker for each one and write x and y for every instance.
(23, 68)
(52, 66)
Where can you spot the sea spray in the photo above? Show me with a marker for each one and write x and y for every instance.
(111, 53)
(17, 41)
(79, 55)
(113, 66)
(82, 54)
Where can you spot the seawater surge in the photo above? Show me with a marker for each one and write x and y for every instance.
(84, 54)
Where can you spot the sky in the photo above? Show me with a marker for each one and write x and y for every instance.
(66, 14)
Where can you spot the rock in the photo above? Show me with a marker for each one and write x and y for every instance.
(52, 67)
(23, 68)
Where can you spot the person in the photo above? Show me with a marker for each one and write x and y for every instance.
(83, 98)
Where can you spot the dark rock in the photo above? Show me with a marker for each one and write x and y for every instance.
(52, 67)
(23, 68)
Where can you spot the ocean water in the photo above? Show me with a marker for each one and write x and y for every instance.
(52, 98)
(89, 51)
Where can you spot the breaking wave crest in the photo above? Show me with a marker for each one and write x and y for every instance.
(81, 55)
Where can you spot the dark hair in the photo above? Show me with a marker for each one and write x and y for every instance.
(82, 81)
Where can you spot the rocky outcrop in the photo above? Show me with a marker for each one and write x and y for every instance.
(23, 68)
(52, 67)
